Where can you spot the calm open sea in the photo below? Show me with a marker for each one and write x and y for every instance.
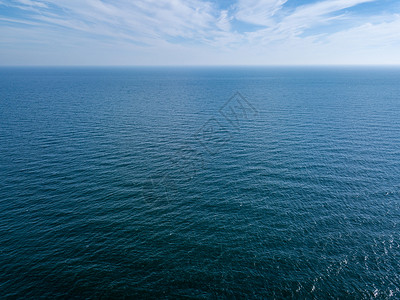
(200, 182)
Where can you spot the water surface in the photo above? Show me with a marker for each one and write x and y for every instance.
(154, 182)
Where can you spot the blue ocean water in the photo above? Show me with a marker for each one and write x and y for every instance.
(200, 183)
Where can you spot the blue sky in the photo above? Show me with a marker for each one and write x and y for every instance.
(199, 32)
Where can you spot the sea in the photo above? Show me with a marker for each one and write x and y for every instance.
(200, 182)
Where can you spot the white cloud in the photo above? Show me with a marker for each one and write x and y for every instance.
(32, 3)
(370, 35)
(319, 12)
(149, 18)
(258, 11)
(224, 20)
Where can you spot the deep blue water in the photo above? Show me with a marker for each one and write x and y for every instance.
(167, 183)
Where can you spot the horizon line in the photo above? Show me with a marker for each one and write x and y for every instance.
(200, 66)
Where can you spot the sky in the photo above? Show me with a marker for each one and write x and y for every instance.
(199, 32)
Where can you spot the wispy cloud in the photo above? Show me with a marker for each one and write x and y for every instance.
(308, 15)
(32, 3)
(258, 11)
